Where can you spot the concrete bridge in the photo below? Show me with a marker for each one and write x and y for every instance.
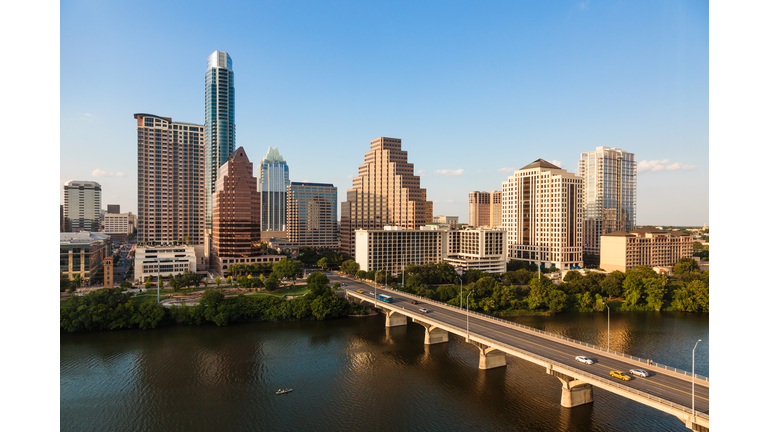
(666, 389)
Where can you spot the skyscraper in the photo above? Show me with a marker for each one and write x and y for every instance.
(541, 212)
(273, 185)
(385, 192)
(235, 231)
(82, 205)
(479, 209)
(495, 211)
(610, 194)
(170, 180)
(219, 122)
(312, 214)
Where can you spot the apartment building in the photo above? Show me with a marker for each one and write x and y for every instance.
(170, 180)
(645, 246)
(542, 214)
(82, 205)
(312, 214)
(479, 209)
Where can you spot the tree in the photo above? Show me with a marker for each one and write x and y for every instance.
(350, 267)
(539, 293)
(218, 281)
(571, 275)
(148, 283)
(318, 278)
(686, 266)
(612, 285)
(557, 300)
(160, 283)
(698, 247)
(633, 290)
(229, 280)
(272, 282)
(125, 285)
(654, 292)
(323, 263)
(78, 280)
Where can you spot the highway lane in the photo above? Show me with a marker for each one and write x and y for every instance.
(671, 388)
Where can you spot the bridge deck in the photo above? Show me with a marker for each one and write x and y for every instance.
(664, 390)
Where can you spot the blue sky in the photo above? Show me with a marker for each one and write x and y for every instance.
(473, 90)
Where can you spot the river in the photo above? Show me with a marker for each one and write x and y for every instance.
(353, 375)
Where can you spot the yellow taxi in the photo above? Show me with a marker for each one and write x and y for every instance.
(620, 375)
(361, 291)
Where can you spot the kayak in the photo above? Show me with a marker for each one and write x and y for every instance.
(284, 391)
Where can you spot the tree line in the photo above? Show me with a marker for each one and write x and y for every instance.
(111, 309)
(525, 289)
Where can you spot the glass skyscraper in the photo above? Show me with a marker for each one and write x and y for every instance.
(312, 214)
(219, 122)
(610, 194)
(273, 185)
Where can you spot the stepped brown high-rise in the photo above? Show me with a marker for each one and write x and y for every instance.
(236, 229)
(385, 192)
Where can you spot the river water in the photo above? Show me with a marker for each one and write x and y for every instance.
(352, 375)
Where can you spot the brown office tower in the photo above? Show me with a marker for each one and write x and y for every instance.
(479, 209)
(385, 192)
(170, 180)
(236, 227)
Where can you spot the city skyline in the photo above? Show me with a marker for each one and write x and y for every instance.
(504, 86)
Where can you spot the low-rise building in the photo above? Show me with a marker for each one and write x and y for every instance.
(164, 261)
(645, 246)
(83, 253)
(393, 248)
(479, 249)
(452, 221)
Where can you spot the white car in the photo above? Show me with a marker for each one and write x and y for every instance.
(585, 360)
(639, 372)
(423, 310)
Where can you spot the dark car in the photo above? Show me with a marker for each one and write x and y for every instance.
(414, 302)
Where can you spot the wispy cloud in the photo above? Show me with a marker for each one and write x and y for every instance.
(479, 171)
(450, 173)
(421, 172)
(101, 173)
(87, 116)
(350, 176)
(654, 165)
(558, 163)
(662, 165)
(584, 4)
(505, 170)
(449, 201)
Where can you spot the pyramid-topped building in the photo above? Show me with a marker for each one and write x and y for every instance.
(385, 192)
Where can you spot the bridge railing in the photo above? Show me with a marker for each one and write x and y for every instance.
(595, 347)
(603, 380)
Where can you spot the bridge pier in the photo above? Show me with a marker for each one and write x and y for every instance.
(395, 319)
(691, 424)
(490, 357)
(574, 392)
(432, 334)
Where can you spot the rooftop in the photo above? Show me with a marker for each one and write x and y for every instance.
(540, 163)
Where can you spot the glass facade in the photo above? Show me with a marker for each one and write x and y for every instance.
(610, 194)
(312, 214)
(273, 186)
(219, 122)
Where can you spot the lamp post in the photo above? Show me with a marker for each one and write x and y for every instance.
(693, 380)
(375, 296)
(461, 294)
(609, 324)
(470, 293)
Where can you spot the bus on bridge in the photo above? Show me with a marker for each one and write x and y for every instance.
(385, 298)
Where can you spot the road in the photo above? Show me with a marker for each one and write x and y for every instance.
(672, 388)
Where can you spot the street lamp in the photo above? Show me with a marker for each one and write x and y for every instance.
(470, 293)
(609, 324)
(693, 380)
(461, 294)
(375, 297)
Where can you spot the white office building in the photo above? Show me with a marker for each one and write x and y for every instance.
(542, 214)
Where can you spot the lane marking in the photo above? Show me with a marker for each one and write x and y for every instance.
(653, 383)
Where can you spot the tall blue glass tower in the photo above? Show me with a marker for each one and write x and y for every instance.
(273, 185)
(219, 123)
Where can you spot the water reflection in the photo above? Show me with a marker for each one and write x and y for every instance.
(352, 374)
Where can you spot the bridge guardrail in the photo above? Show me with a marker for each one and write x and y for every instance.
(596, 347)
(605, 381)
